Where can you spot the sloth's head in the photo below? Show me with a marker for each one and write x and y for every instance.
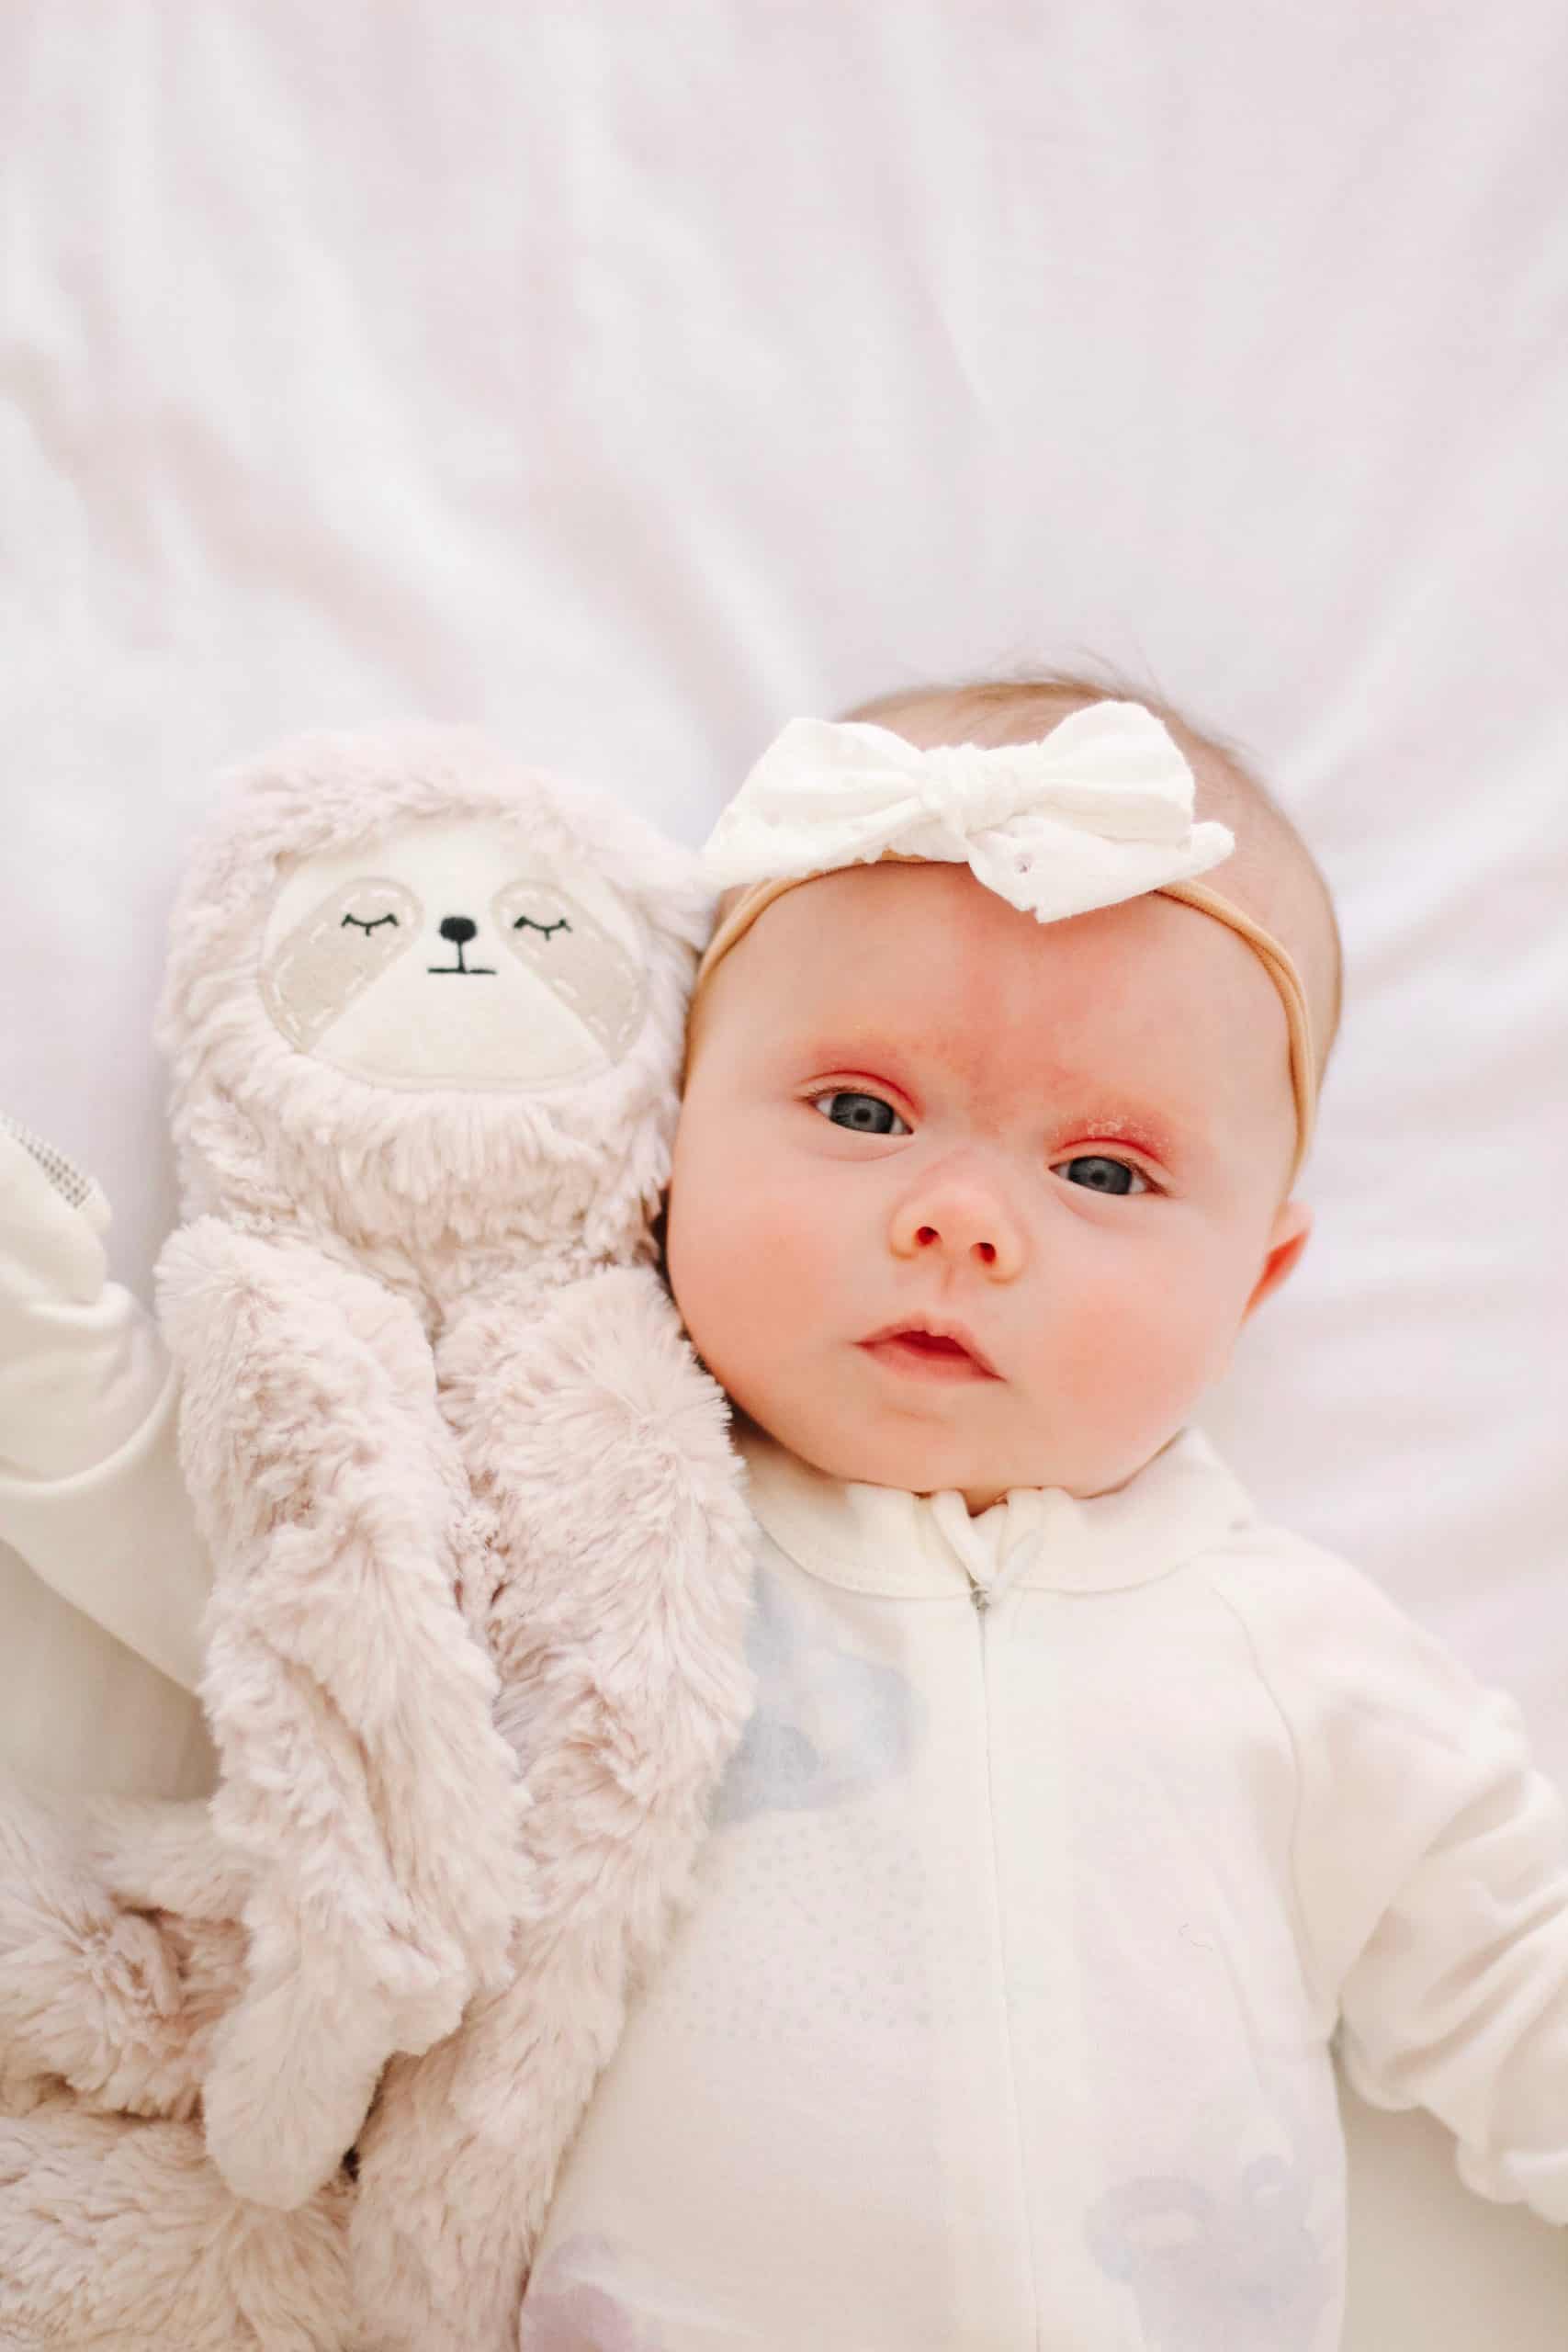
(420, 995)
(547, 955)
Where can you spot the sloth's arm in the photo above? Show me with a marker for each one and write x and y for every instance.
(363, 1777)
(90, 1488)
(622, 1584)
(602, 1446)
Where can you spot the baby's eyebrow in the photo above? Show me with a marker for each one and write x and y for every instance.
(865, 1056)
(1169, 1140)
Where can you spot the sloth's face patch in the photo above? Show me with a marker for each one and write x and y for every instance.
(452, 955)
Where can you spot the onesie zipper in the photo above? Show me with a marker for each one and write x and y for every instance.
(985, 1598)
(958, 1528)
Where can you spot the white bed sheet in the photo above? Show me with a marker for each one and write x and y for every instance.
(627, 380)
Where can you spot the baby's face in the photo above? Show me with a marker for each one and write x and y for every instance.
(963, 1199)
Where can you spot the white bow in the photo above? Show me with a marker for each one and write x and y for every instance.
(1097, 811)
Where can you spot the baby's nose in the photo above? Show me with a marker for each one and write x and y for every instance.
(960, 1221)
(458, 929)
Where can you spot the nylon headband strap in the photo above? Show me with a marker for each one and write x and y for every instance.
(1276, 960)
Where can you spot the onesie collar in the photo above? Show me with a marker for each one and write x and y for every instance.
(884, 1540)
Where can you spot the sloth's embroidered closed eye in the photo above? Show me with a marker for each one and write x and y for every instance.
(361, 924)
(526, 922)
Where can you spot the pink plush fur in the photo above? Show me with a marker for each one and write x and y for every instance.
(121, 2236)
(469, 1499)
(617, 1630)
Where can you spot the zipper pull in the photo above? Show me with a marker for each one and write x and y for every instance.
(1020, 1555)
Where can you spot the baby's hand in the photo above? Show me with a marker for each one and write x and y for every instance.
(80, 1361)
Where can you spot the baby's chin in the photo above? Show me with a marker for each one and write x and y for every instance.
(923, 1462)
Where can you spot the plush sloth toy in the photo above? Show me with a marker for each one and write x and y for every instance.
(481, 1570)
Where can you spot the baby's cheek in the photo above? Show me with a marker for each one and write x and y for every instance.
(734, 1255)
(1144, 1353)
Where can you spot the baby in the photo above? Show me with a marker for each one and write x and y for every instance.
(1079, 1809)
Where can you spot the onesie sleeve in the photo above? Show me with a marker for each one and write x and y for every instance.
(1431, 1870)
(91, 1494)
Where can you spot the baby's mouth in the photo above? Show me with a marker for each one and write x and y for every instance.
(943, 1351)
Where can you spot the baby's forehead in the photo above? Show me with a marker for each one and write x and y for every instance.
(921, 962)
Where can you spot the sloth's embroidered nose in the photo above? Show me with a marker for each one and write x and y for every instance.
(460, 930)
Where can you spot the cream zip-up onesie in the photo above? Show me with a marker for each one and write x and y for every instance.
(1060, 1842)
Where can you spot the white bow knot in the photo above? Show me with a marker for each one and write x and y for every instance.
(1100, 810)
(967, 786)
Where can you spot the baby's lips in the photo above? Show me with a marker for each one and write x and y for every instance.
(935, 1337)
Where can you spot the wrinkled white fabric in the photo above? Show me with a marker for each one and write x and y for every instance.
(1003, 2016)
(104, 1625)
(78, 1360)
(1100, 810)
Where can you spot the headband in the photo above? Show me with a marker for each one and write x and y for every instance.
(1097, 811)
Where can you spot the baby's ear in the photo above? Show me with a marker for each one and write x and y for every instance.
(1288, 1238)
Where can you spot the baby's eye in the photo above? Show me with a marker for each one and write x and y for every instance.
(867, 1115)
(1097, 1173)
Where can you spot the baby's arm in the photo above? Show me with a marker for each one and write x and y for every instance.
(90, 1488)
(1431, 1865)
